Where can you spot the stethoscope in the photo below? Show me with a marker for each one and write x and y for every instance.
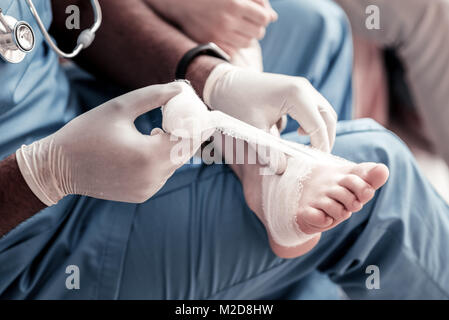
(17, 37)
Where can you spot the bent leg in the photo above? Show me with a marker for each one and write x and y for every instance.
(214, 247)
(198, 239)
(402, 230)
(312, 39)
(417, 29)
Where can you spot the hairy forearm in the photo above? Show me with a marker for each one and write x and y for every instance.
(165, 8)
(134, 47)
(17, 201)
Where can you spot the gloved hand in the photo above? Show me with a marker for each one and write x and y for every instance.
(250, 57)
(101, 154)
(261, 99)
(231, 24)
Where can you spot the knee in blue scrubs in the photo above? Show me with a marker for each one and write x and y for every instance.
(216, 248)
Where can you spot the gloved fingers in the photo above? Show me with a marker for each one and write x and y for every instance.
(173, 149)
(313, 124)
(146, 99)
(331, 125)
(171, 152)
(302, 132)
(186, 115)
(274, 130)
(324, 105)
(330, 118)
(282, 123)
(319, 138)
(333, 113)
(165, 141)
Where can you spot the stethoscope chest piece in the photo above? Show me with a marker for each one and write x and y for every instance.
(16, 39)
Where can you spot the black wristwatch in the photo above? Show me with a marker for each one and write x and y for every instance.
(208, 49)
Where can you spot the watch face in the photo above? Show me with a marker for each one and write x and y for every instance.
(24, 36)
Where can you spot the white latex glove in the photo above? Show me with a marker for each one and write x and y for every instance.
(261, 99)
(250, 57)
(231, 24)
(101, 154)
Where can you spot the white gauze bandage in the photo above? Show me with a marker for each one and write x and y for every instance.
(186, 116)
(280, 203)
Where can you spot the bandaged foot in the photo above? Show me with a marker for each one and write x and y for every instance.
(312, 197)
(315, 192)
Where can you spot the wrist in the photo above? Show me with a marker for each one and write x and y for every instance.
(18, 202)
(199, 70)
(212, 83)
(38, 164)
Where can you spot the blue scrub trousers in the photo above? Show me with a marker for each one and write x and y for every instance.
(197, 239)
(209, 247)
(312, 39)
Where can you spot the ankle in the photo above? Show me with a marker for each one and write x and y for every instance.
(252, 188)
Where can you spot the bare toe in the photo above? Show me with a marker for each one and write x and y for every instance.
(312, 220)
(362, 190)
(345, 197)
(333, 208)
(375, 174)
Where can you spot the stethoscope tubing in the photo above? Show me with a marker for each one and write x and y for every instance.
(16, 53)
(98, 17)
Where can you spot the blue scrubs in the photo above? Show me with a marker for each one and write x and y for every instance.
(197, 238)
(312, 39)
